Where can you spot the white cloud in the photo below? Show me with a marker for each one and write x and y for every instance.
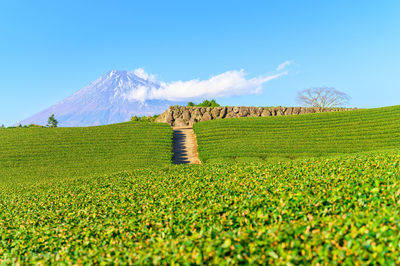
(230, 83)
(141, 73)
(284, 65)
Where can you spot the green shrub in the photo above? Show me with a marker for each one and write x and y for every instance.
(205, 103)
(144, 118)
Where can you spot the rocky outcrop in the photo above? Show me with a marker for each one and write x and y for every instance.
(187, 116)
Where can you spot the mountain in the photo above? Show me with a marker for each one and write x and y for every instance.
(112, 98)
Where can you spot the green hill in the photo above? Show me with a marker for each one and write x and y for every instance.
(310, 135)
(342, 210)
(64, 152)
(109, 194)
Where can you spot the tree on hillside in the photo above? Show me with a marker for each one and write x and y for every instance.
(52, 122)
(213, 103)
(322, 97)
(2, 126)
(205, 103)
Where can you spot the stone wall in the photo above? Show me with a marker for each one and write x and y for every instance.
(186, 116)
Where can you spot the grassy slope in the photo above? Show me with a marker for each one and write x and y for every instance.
(33, 152)
(309, 135)
(343, 209)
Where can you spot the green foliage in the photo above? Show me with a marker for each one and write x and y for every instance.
(25, 126)
(144, 118)
(342, 210)
(52, 122)
(205, 103)
(2, 126)
(32, 152)
(311, 135)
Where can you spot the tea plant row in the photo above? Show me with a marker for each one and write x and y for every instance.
(337, 210)
(310, 135)
(34, 152)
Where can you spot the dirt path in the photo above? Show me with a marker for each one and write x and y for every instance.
(185, 146)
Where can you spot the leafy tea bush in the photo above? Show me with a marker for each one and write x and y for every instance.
(342, 210)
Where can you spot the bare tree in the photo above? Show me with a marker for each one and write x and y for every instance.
(322, 97)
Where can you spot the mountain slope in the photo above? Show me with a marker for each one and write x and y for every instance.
(105, 101)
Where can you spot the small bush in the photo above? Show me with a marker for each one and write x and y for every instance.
(144, 118)
(34, 126)
(205, 103)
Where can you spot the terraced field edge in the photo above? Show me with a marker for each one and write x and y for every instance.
(291, 137)
(43, 152)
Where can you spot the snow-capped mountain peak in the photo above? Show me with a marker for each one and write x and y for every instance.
(112, 98)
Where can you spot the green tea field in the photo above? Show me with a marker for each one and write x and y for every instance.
(293, 137)
(226, 133)
(327, 211)
(111, 195)
(64, 152)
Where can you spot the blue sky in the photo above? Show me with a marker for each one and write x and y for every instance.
(50, 49)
